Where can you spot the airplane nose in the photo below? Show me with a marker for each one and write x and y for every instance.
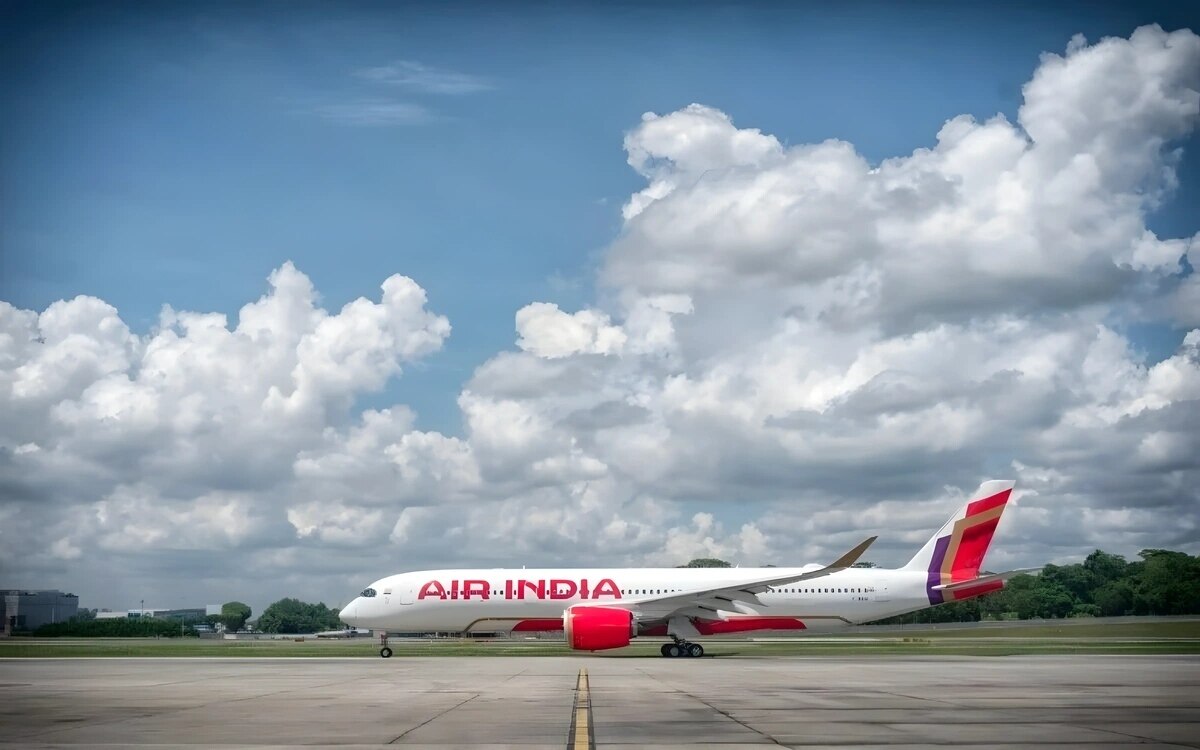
(347, 614)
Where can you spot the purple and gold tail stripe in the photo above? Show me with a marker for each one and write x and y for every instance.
(958, 555)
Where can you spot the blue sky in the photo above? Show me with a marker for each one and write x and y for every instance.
(748, 342)
(178, 153)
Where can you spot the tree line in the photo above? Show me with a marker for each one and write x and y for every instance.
(1161, 582)
(117, 627)
(284, 616)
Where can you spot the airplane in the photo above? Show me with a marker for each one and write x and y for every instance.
(601, 609)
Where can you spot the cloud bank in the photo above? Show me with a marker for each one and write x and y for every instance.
(796, 348)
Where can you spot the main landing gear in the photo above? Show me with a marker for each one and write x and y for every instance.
(385, 652)
(682, 648)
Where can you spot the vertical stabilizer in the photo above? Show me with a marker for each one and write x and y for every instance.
(955, 553)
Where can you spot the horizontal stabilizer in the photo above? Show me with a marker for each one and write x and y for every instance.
(981, 580)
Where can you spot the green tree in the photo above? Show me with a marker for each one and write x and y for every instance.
(1114, 598)
(1105, 567)
(234, 615)
(118, 627)
(1019, 593)
(294, 616)
(1085, 610)
(707, 562)
(1050, 600)
(1168, 583)
(1076, 579)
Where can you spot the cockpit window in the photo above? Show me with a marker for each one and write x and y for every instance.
(368, 593)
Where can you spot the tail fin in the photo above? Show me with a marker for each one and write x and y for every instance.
(956, 551)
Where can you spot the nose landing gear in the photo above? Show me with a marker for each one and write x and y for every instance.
(681, 648)
(385, 652)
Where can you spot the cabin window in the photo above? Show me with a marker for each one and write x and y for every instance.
(367, 593)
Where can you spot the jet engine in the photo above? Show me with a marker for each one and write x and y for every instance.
(598, 628)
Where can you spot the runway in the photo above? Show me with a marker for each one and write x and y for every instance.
(494, 702)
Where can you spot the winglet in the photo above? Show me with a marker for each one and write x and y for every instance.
(847, 560)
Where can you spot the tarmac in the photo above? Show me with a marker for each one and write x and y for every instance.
(658, 704)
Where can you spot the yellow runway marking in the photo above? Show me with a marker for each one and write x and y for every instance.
(581, 737)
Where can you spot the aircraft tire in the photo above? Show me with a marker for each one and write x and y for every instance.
(674, 651)
(385, 652)
(695, 650)
(664, 648)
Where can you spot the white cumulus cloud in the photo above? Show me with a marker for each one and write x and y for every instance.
(794, 348)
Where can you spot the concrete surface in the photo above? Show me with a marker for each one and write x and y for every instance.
(493, 702)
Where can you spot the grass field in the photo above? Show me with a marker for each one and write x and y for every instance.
(1093, 638)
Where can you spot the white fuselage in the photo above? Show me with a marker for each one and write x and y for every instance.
(506, 599)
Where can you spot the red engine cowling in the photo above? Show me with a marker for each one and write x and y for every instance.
(597, 628)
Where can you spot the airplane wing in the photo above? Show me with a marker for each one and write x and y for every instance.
(972, 583)
(704, 602)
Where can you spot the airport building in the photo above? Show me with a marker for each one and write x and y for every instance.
(26, 609)
(186, 614)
